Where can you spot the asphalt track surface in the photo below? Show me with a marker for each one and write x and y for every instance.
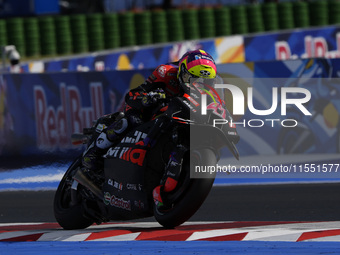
(280, 202)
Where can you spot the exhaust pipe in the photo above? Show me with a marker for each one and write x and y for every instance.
(86, 182)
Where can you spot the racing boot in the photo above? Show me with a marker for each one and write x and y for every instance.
(171, 176)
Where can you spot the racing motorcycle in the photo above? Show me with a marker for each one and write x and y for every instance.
(123, 189)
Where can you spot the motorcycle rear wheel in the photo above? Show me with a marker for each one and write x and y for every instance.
(192, 196)
(69, 216)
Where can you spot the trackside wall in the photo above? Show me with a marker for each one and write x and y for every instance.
(39, 112)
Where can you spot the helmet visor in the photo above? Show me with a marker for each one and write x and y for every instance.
(205, 81)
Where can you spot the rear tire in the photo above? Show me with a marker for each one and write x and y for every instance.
(193, 197)
(69, 216)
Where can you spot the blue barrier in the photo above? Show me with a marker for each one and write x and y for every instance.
(41, 111)
(18, 8)
(294, 44)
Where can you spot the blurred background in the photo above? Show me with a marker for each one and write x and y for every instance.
(87, 6)
(52, 28)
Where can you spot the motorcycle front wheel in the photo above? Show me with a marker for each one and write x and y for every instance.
(69, 214)
(189, 193)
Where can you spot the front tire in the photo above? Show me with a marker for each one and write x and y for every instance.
(193, 196)
(69, 215)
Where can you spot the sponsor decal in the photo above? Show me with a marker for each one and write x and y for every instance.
(113, 152)
(55, 124)
(118, 185)
(115, 184)
(139, 204)
(197, 86)
(100, 128)
(315, 47)
(135, 139)
(161, 71)
(208, 58)
(131, 186)
(117, 202)
(232, 133)
(134, 186)
(135, 156)
(193, 101)
(203, 57)
(110, 182)
(194, 95)
(189, 106)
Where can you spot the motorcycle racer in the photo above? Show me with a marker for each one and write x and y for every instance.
(166, 81)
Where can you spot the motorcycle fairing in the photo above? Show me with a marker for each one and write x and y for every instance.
(124, 191)
(131, 173)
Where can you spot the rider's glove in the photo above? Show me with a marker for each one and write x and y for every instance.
(152, 98)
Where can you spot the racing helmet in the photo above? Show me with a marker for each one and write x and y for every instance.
(196, 64)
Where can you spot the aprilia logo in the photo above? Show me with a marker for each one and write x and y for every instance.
(135, 156)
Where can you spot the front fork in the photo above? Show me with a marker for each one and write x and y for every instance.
(97, 211)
